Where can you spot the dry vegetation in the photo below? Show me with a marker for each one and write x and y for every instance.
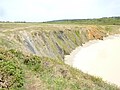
(21, 69)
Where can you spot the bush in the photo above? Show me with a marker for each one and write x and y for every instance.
(11, 74)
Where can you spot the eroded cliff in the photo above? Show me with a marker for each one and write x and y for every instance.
(31, 56)
(52, 41)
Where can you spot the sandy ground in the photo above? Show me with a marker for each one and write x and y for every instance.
(98, 58)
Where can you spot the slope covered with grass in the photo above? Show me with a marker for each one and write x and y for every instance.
(32, 56)
(94, 21)
(29, 72)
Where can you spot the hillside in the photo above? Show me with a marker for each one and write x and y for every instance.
(32, 56)
(97, 21)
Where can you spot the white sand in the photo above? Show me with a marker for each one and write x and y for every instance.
(99, 58)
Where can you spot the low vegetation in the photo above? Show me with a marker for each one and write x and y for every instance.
(44, 68)
(11, 73)
(53, 74)
(96, 21)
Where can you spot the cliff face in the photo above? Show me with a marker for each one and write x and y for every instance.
(52, 41)
(22, 70)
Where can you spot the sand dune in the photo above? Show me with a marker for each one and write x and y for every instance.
(99, 58)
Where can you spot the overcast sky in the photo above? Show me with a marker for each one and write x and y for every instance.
(45, 10)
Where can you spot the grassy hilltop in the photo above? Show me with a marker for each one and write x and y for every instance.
(32, 56)
(97, 21)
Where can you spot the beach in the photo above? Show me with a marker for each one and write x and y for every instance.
(100, 58)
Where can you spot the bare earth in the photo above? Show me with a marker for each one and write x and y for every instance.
(98, 58)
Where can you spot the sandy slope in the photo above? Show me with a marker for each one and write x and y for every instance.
(99, 58)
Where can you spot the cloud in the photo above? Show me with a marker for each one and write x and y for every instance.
(42, 10)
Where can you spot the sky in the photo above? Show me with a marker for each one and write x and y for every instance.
(47, 10)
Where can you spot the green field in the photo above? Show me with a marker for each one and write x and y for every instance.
(96, 21)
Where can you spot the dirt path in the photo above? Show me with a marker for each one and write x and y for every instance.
(33, 81)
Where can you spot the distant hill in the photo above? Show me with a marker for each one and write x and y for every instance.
(99, 21)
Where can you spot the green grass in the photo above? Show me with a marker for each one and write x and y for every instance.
(11, 73)
(97, 21)
(25, 71)
(53, 73)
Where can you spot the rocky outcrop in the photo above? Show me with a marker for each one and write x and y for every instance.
(52, 41)
(94, 33)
